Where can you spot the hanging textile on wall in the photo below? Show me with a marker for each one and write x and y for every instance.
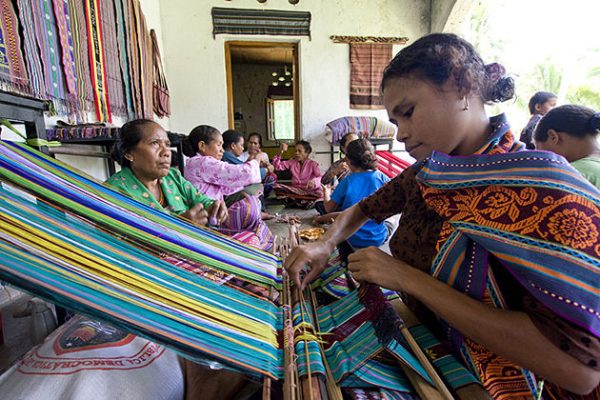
(162, 106)
(133, 52)
(367, 61)
(61, 12)
(242, 21)
(34, 62)
(145, 46)
(111, 54)
(141, 66)
(121, 15)
(12, 65)
(85, 92)
(46, 34)
(97, 60)
(66, 51)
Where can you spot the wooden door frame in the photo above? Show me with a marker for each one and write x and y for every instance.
(296, 74)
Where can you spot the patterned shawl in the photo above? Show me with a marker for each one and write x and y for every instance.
(12, 66)
(527, 211)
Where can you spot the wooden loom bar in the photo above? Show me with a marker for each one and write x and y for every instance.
(314, 388)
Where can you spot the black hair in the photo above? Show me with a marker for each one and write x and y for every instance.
(201, 133)
(307, 147)
(258, 135)
(230, 137)
(130, 134)
(344, 138)
(578, 121)
(361, 154)
(539, 98)
(441, 56)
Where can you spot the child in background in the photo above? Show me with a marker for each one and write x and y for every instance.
(230, 183)
(364, 179)
(539, 104)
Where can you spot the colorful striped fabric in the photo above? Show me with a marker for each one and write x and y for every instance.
(34, 62)
(111, 53)
(121, 12)
(83, 268)
(527, 212)
(367, 62)
(366, 127)
(70, 239)
(48, 178)
(63, 24)
(348, 328)
(451, 370)
(93, 18)
(46, 34)
(241, 21)
(85, 93)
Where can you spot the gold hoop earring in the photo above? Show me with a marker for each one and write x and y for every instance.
(466, 107)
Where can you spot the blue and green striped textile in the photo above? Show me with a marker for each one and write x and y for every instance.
(46, 177)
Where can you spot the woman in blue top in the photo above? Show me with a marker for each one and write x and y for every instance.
(364, 180)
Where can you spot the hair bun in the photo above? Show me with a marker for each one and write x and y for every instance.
(495, 71)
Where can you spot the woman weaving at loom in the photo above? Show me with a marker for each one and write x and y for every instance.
(144, 152)
(504, 238)
(238, 185)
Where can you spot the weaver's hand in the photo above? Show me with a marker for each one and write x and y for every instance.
(373, 265)
(326, 192)
(342, 167)
(283, 148)
(310, 185)
(314, 255)
(270, 168)
(197, 214)
(218, 212)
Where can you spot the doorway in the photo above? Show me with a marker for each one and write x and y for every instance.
(262, 90)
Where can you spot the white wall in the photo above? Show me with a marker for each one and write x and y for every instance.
(195, 62)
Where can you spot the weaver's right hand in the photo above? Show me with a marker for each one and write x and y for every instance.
(197, 214)
(314, 255)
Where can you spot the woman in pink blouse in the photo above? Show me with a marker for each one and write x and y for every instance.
(306, 176)
(238, 185)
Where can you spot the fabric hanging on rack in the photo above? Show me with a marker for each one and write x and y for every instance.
(133, 50)
(97, 60)
(121, 14)
(85, 92)
(30, 48)
(367, 61)
(160, 90)
(83, 133)
(13, 72)
(145, 46)
(47, 39)
(61, 13)
(111, 54)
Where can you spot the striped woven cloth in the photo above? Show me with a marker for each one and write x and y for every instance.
(70, 239)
